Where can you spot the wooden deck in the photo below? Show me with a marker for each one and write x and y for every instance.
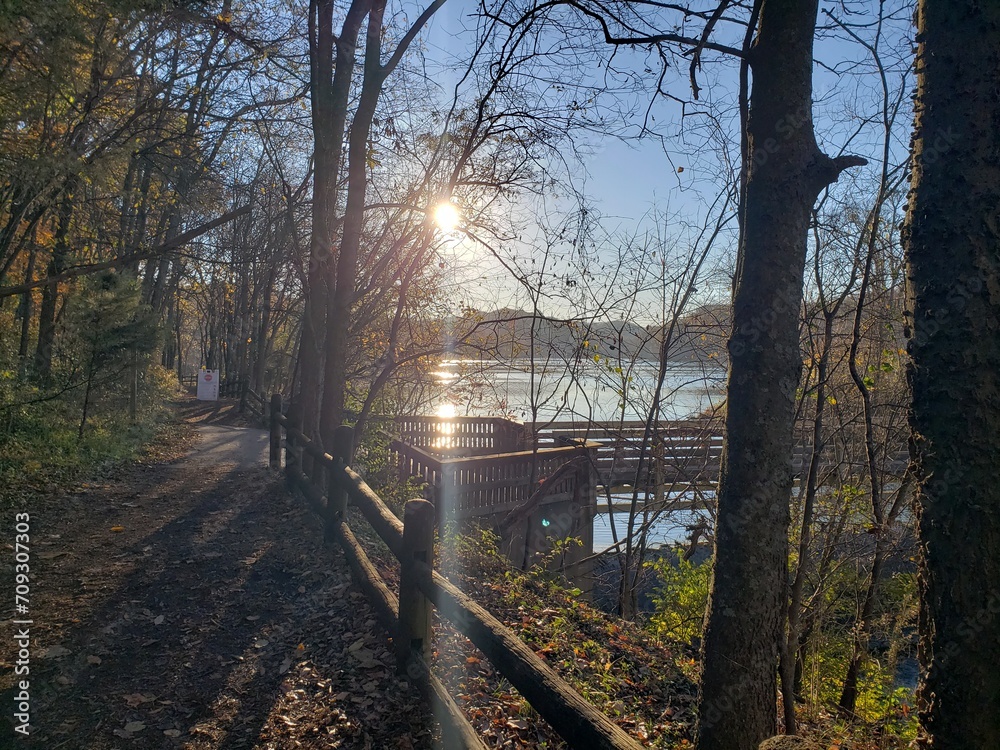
(482, 466)
(680, 453)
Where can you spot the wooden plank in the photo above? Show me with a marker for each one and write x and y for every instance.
(383, 520)
(575, 720)
(456, 731)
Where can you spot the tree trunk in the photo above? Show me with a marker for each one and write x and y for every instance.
(953, 272)
(26, 311)
(790, 646)
(341, 301)
(50, 293)
(859, 647)
(86, 400)
(786, 172)
(330, 88)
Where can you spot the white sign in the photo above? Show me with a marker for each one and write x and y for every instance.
(208, 385)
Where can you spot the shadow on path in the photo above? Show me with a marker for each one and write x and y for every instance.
(214, 619)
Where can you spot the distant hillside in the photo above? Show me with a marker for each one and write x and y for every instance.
(509, 333)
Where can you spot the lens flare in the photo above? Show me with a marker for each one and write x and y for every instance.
(446, 216)
(446, 410)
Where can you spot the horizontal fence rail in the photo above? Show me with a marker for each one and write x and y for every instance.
(460, 436)
(329, 484)
(677, 452)
(491, 484)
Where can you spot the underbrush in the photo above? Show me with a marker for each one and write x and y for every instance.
(620, 668)
(884, 718)
(642, 675)
(41, 448)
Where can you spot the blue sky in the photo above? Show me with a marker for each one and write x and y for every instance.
(625, 181)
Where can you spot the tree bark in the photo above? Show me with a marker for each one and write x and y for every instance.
(341, 301)
(50, 292)
(26, 310)
(786, 172)
(330, 88)
(952, 241)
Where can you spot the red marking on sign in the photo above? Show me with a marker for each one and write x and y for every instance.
(208, 377)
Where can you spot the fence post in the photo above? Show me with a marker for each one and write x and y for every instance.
(414, 634)
(292, 466)
(306, 460)
(336, 495)
(274, 456)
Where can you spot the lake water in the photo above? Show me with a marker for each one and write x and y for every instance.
(673, 527)
(582, 391)
(577, 391)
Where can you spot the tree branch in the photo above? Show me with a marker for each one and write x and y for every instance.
(8, 291)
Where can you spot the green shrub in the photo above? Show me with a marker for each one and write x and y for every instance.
(40, 444)
(680, 597)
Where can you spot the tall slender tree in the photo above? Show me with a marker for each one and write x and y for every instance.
(784, 172)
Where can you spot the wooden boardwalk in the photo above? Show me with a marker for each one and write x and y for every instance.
(677, 454)
(490, 465)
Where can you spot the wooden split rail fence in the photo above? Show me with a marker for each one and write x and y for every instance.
(329, 484)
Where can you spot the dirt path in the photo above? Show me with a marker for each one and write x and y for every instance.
(224, 435)
(193, 605)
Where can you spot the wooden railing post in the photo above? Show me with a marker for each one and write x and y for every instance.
(414, 636)
(437, 497)
(336, 496)
(274, 456)
(292, 465)
(306, 460)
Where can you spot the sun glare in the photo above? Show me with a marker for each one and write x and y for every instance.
(446, 410)
(446, 216)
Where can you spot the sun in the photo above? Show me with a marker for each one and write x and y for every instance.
(446, 216)
(446, 410)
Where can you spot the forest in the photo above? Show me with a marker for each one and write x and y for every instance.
(685, 318)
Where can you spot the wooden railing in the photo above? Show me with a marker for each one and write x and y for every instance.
(329, 488)
(460, 436)
(678, 453)
(254, 403)
(228, 388)
(464, 488)
(687, 452)
(250, 400)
